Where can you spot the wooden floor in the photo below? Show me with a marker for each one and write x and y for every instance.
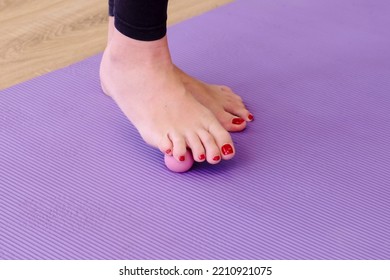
(39, 36)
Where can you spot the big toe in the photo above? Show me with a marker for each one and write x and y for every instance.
(231, 122)
(224, 141)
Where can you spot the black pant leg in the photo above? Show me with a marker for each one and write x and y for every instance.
(144, 20)
(111, 8)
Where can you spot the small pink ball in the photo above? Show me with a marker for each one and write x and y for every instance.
(179, 166)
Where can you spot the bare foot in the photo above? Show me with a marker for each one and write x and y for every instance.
(144, 83)
(220, 100)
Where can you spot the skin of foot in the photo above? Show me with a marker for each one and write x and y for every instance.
(226, 106)
(143, 81)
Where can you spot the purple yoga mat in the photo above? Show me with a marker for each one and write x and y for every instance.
(310, 180)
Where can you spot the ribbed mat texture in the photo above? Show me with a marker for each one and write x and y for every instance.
(311, 179)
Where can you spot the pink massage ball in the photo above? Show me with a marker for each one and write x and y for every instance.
(179, 166)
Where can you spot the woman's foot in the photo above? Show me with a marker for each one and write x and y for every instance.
(144, 83)
(220, 100)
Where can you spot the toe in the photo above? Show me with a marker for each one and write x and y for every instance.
(165, 145)
(238, 109)
(235, 105)
(224, 142)
(227, 150)
(213, 154)
(179, 146)
(231, 122)
(195, 144)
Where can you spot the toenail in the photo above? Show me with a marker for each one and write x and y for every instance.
(227, 149)
(250, 117)
(216, 158)
(202, 157)
(182, 158)
(237, 121)
(168, 151)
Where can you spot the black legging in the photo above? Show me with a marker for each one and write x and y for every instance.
(144, 20)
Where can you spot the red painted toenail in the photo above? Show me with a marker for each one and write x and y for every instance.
(182, 158)
(216, 158)
(250, 117)
(202, 157)
(168, 151)
(227, 149)
(237, 121)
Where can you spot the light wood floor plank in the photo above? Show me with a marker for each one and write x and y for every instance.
(39, 36)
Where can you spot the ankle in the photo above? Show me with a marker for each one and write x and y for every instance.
(125, 49)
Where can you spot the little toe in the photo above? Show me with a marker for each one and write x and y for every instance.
(165, 145)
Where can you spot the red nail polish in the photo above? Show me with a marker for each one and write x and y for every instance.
(216, 158)
(227, 149)
(250, 117)
(182, 158)
(237, 121)
(168, 151)
(202, 157)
